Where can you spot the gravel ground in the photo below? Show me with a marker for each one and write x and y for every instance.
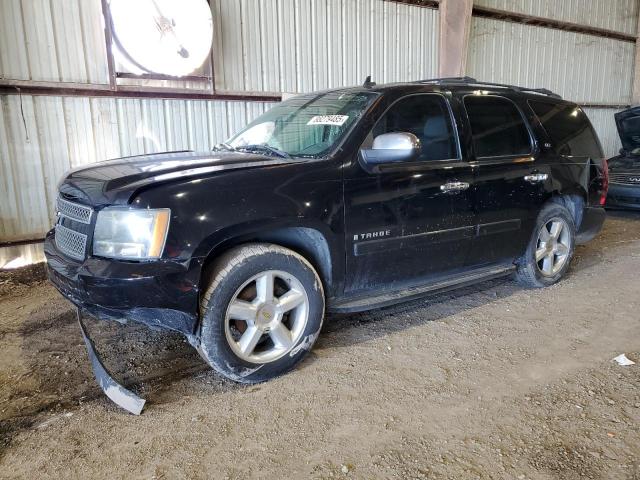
(493, 381)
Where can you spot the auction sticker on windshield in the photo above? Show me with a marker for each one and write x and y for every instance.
(328, 120)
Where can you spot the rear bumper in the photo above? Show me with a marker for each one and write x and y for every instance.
(623, 196)
(592, 221)
(159, 294)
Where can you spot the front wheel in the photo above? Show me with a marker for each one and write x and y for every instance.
(550, 249)
(261, 313)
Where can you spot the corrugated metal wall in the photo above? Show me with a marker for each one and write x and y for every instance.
(41, 137)
(52, 41)
(261, 45)
(306, 45)
(580, 67)
(615, 15)
(605, 125)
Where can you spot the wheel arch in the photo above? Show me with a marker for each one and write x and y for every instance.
(307, 241)
(574, 202)
(571, 188)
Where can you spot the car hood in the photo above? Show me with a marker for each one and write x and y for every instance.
(116, 181)
(626, 163)
(628, 123)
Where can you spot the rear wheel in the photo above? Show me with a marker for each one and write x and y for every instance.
(261, 313)
(550, 249)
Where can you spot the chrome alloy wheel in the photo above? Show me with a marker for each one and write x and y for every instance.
(266, 316)
(554, 244)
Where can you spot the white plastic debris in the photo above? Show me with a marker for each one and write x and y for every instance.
(623, 360)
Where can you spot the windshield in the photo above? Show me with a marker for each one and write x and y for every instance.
(305, 126)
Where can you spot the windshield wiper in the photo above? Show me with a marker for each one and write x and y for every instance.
(223, 147)
(264, 148)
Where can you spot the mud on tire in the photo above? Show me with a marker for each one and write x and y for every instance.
(535, 268)
(241, 332)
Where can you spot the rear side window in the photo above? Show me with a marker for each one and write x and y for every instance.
(428, 118)
(569, 129)
(497, 127)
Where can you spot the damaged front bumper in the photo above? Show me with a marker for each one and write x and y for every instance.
(162, 294)
(112, 389)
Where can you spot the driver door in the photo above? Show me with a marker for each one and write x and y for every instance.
(409, 222)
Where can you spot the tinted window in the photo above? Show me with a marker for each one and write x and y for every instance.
(568, 128)
(497, 127)
(427, 117)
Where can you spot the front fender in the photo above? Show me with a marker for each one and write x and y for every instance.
(314, 240)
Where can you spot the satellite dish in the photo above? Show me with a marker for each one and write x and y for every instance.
(166, 37)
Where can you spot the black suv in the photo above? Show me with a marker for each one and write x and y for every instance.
(342, 201)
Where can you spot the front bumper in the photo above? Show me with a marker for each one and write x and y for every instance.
(161, 294)
(591, 224)
(117, 393)
(623, 196)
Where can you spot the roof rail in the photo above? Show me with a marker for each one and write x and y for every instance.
(543, 91)
(444, 80)
(449, 80)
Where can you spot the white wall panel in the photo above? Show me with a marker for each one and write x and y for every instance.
(605, 125)
(260, 45)
(94, 49)
(269, 45)
(306, 45)
(38, 33)
(615, 15)
(13, 47)
(21, 255)
(59, 133)
(52, 136)
(23, 173)
(69, 43)
(52, 41)
(104, 123)
(580, 67)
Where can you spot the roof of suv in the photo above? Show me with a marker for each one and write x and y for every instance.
(472, 82)
(460, 83)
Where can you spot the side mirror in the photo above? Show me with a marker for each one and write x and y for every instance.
(392, 148)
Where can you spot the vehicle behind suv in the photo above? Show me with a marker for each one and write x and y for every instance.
(624, 191)
(343, 200)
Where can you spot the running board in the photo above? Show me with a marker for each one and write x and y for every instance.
(363, 303)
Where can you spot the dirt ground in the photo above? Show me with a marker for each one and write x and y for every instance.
(490, 382)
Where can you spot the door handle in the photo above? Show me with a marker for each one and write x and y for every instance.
(454, 187)
(536, 177)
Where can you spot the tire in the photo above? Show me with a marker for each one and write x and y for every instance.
(536, 273)
(241, 331)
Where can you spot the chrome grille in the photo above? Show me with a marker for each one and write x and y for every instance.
(625, 178)
(74, 211)
(70, 242)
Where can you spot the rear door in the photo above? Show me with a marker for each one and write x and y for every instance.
(414, 220)
(509, 183)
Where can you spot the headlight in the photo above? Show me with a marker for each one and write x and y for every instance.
(131, 234)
